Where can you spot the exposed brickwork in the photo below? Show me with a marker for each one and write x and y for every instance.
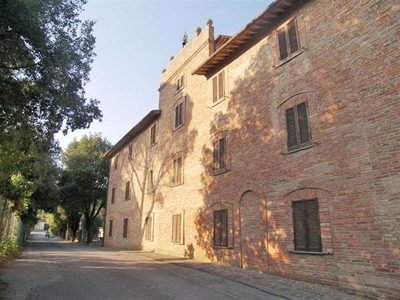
(348, 74)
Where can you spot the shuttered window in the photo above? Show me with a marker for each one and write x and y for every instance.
(179, 115)
(148, 228)
(307, 231)
(180, 82)
(176, 228)
(113, 195)
(127, 190)
(177, 176)
(297, 125)
(150, 182)
(288, 40)
(125, 229)
(219, 154)
(116, 162)
(130, 151)
(153, 135)
(219, 87)
(110, 228)
(221, 228)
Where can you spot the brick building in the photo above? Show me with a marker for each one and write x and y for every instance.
(277, 149)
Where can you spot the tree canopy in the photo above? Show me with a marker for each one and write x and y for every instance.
(46, 52)
(84, 180)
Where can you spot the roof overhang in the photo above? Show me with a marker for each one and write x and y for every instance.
(134, 132)
(264, 22)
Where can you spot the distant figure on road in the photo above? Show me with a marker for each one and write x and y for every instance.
(47, 236)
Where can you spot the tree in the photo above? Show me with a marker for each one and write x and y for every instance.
(46, 53)
(84, 180)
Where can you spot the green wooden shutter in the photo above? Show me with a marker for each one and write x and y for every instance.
(313, 225)
(283, 49)
(292, 34)
(299, 226)
(303, 123)
(291, 129)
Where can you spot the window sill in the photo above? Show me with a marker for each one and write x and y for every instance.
(218, 172)
(222, 247)
(176, 184)
(177, 128)
(152, 145)
(308, 146)
(180, 90)
(309, 252)
(286, 60)
(218, 101)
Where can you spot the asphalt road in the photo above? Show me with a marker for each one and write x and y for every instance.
(55, 269)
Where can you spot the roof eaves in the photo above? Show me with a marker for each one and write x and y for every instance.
(134, 132)
(268, 16)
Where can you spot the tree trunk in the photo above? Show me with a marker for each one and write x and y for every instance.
(89, 232)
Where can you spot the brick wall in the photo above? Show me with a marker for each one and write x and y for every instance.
(347, 72)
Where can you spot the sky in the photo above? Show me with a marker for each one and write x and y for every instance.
(134, 42)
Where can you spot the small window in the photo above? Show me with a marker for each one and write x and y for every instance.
(178, 166)
(150, 182)
(130, 150)
(153, 131)
(307, 231)
(180, 83)
(221, 228)
(176, 228)
(288, 40)
(219, 155)
(113, 195)
(219, 87)
(148, 228)
(127, 190)
(179, 115)
(298, 131)
(116, 162)
(110, 228)
(125, 230)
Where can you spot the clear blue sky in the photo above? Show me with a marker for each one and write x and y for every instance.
(134, 41)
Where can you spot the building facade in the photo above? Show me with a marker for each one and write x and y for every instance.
(277, 149)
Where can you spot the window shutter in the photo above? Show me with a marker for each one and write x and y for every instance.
(221, 85)
(215, 155)
(292, 33)
(303, 123)
(224, 227)
(283, 51)
(291, 128)
(113, 195)
(110, 230)
(179, 168)
(217, 228)
(215, 89)
(313, 226)
(127, 186)
(222, 153)
(300, 233)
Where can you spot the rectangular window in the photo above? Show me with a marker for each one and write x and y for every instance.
(125, 229)
(288, 40)
(221, 228)
(113, 195)
(130, 151)
(177, 176)
(307, 231)
(127, 190)
(218, 87)
(176, 228)
(180, 82)
(153, 135)
(297, 126)
(150, 182)
(116, 162)
(110, 228)
(179, 115)
(219, 155)
(148, 228)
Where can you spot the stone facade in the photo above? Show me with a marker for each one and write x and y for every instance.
(345, 70)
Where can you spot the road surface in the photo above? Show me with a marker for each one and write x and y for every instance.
(56, 269)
